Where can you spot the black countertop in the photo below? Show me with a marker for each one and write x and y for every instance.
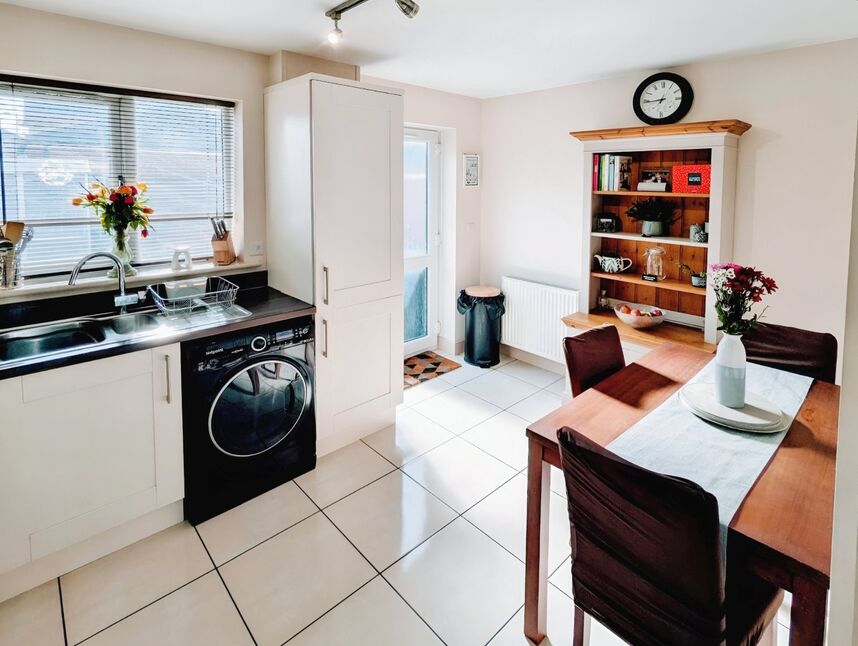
(265, 304)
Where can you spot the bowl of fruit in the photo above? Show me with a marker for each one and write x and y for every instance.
(639, 318)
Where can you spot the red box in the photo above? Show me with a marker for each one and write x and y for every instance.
(691, 178)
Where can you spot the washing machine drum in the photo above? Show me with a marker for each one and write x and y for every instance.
(258, 407)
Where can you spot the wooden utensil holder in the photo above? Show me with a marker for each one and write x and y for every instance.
(223, 252)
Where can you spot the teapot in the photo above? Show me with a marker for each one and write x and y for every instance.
(613, 264)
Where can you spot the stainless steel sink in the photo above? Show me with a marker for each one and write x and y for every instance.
(53, 337)
(135, 324)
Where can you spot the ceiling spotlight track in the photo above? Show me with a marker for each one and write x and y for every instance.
(408, 7)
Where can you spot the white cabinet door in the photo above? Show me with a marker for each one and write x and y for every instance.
(87, 447)
(357, 193)
(358, 371)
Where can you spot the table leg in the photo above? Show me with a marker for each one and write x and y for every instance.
(536, 550)
(807, 618)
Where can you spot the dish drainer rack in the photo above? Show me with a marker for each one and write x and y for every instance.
(219, 293)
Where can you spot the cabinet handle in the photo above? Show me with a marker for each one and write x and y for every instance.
(325, 335)
(167, 373)
(327, 279)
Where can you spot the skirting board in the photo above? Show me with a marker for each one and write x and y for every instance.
(53, 565)
(539, 362)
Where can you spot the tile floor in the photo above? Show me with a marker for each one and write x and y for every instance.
(414, 536)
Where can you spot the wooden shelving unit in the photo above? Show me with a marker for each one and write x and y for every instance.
(689, 310)
(651, 338)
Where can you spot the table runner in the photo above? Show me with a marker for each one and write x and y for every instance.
(674, 441)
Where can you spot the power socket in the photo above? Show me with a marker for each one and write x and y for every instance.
(256, 248)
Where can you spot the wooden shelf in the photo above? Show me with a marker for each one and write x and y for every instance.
(637, 237)
(731, 126)
(651, 194)
(667, 283)
(667, 332)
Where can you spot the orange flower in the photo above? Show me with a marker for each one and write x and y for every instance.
(148, 210)
(124, 190)
(77, 201)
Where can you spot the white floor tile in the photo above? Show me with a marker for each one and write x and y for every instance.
(104, 591)
(503, 516)
(411, 436)
(33, 617)
(537, 406)
(504, 359)
(560, 624)
(237, 530)
(459, 473)
(291, 580)
(374, 615)
(531, 374)
(559, 387)
(558, 482)
(462, 583)
(427, 389)
(342, 472)
(389, 517)
(785, 609)
(464, 374)
(456, 410)
(499, 388)
(783, 635)
(199, 613)
(562, 577)
(504, 437)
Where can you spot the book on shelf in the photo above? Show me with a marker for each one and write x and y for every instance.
(612, 173)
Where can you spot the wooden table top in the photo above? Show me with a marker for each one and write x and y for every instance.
(790, 508)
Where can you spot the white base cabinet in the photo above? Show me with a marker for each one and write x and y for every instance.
(87, 447)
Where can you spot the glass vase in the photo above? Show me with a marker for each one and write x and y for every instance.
(122, 250)
(730, 367)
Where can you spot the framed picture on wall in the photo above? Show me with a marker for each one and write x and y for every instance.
(471, 165)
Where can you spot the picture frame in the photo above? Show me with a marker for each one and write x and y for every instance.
(655, 175)
(471, 169)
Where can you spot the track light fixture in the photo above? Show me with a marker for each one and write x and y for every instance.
(409, 8)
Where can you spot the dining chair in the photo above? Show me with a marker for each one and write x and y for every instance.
(646, 556)
(593, 356)
(813, 354)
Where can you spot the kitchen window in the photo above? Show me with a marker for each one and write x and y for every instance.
(56, 138)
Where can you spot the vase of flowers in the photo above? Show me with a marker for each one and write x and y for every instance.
(122, 211)
(654, 213)
(737, 289)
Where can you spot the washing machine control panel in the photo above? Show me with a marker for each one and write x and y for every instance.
(223, 352)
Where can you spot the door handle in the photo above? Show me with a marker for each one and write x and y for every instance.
(325, 337)
(326, 276)
(167, 374)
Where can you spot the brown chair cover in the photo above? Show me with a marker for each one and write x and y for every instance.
(593, 356)
(646, 555)
(813, 354)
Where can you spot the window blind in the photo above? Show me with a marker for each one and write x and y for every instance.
(54, 140)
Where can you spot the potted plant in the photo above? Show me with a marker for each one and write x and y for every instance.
(698, 279)
(653, 213)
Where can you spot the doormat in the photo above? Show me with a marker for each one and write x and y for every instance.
(425, 366)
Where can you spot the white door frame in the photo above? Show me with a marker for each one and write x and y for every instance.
(430, 261)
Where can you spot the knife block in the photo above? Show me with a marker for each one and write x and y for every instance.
(222, 250)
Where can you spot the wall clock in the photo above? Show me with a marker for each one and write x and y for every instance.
(663, 98)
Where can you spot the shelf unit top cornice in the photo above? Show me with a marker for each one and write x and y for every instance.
(722, 126)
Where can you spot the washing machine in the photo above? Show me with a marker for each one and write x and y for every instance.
(249, 421)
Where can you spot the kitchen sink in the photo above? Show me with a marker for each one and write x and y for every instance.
(135, 324)
(53, 337)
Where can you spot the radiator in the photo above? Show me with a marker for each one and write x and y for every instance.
(533, 312)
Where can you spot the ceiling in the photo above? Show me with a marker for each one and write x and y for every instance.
(488, 48)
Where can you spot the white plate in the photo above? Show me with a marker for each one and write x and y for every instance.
(759, 415)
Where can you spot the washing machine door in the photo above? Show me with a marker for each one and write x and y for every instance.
(259, 406)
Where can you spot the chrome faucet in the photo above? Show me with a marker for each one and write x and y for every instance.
(123, 300)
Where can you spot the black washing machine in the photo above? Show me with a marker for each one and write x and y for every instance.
(249, 421)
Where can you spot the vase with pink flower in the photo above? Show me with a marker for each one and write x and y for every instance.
(122, 211)
(737, 290)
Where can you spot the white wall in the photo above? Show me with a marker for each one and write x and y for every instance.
(35, 43)
(459, 119)
(794, 190)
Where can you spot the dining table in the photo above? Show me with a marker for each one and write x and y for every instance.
(784, 524)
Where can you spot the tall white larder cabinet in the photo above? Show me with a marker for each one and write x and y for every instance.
(334, 220)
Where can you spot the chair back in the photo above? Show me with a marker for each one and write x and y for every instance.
(813, 354)
(592, 356)
(645, 548)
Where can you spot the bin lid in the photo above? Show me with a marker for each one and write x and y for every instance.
(482, 291)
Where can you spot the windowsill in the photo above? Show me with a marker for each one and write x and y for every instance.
(55, 286)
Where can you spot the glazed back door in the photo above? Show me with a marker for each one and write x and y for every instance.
(357, 194)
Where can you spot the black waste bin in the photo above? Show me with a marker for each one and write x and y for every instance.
(483, 308)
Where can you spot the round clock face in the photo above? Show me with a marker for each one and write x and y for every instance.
(663, 98)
